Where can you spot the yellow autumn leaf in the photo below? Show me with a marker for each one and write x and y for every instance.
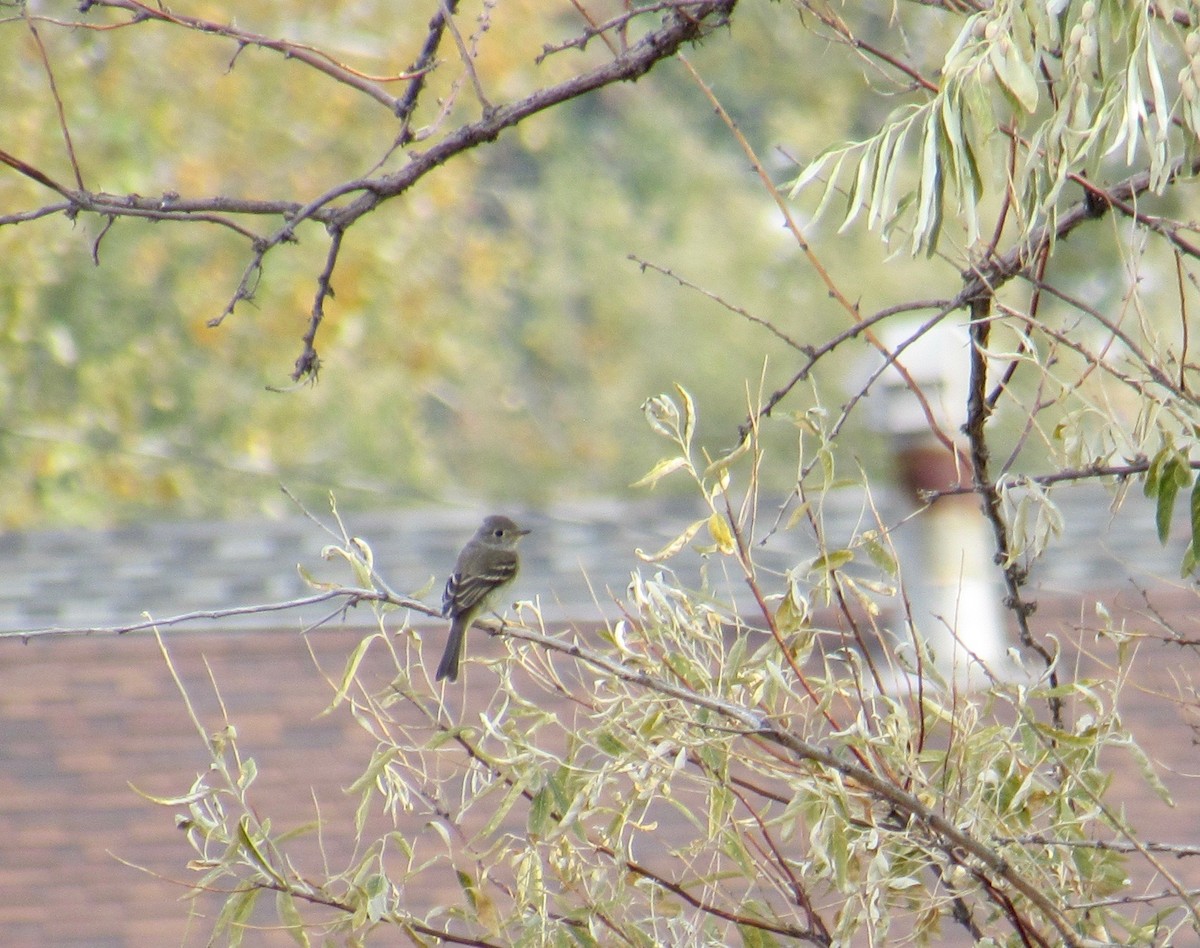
(722, 536)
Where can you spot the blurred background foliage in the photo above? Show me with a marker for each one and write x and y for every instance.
(490, 337)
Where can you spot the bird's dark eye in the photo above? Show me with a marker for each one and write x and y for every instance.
(499, 533)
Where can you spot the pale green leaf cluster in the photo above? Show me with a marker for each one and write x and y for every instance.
(1029, 98)
(1169, 474)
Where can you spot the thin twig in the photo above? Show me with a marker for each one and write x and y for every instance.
(468, 60)
(58, 103)
(617, 24)
(1183, 321)
(352, 596)
(737, 310)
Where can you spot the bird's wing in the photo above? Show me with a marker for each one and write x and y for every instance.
(465, 592)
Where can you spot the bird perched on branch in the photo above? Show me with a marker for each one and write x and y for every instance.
(486, 565)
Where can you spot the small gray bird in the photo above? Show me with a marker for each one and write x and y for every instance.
(487, 564)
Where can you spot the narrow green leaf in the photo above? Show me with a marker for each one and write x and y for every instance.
(362, 573)
(1150, 481)
(830, 190)
(247, 774)
(1168, 490)
(722, 463)
(1135, 113)
(663, 415)
(467, 884)
(1195, 511)
(792, 614)
(608, 742)
(1181, 470)
(289, 915)
(348, 674)
(539, 812)
(364, 561)
(1195, 518)
(514, 793)
(720, 806)
(753, 937)
(880, 555)
(1015, 75)
(1162, 109)
(722, 536)
(376, 889)
(198, 794)
(855, 199)
(961, 160)
(833, 560)
(814, 169)
(689, 416)
(886, 202)
(929, 194)
(250, 847)
(450, 734)
(1188, 566)
(1149, 774)
(311, 581)
(235, 914)
(659, 471)
(378, 763)
(882, 166)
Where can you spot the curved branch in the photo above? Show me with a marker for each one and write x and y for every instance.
(686, 25)
(168, 207)
(310, 56)
(1118, 471)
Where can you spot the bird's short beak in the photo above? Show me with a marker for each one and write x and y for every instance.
(522, 533)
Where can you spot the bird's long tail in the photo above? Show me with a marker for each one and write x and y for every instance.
(448, 667)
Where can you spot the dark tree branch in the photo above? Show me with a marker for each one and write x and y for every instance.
(1118, 471)
(978, 412)
(407, 103)
(308, 364)
(685, 23)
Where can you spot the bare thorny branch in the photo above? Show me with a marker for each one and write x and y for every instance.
(342, 205)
